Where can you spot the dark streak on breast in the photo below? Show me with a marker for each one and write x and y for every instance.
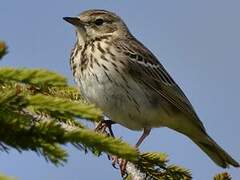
(105, 67)
(96, 77)
(109, 52)
(116, 69)
(96, 61)
(104, 58)
(91, 61)
(123, 77)
(100, 48)
(84, 60)
(108, 76)
(114, 65)
(123, 63)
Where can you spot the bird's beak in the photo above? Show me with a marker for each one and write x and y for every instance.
(74, 21)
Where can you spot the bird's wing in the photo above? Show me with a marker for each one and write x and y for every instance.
(147, 70)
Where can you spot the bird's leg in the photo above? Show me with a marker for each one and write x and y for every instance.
(114, 159)
(123, 163)
(109, 124)
(146, 132)
(101, 127)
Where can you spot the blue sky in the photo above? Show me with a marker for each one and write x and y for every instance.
(197, 41)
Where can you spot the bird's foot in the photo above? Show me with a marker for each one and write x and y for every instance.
(122, 163)
(103, 125)
(115, 161)
(122, 166)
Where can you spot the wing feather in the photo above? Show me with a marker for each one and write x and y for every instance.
(146, 69)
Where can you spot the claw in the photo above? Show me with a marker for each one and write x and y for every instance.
(99, 126)
(115, 161)
(125, 175)
(102, 128)
(103, 125)
(123, 165)
(109, 157)
(114, 166)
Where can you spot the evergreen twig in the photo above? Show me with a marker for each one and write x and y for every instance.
(40, 112)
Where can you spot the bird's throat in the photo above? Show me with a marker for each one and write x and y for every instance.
(81, 36)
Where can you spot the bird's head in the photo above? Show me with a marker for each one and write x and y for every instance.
(94, 24)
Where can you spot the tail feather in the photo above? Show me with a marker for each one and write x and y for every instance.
(215, 152)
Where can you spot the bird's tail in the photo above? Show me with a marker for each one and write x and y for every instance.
(215, 152)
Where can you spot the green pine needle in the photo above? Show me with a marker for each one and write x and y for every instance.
(103, 143)
(222, 176)
(55, 104)
(70, 93)
(154, 165)
(38, 77)
(40, 112)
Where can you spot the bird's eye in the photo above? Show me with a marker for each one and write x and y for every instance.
(98, 22)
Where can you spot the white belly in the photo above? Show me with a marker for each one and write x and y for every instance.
(130, 108)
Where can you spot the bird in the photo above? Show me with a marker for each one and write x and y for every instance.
(117, 73)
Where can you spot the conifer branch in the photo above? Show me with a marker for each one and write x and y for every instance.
(63, 106)
(153, 165)
(42, 113)
(38, 77)
(222, 176)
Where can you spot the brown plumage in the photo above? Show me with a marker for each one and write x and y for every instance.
(121, 76)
